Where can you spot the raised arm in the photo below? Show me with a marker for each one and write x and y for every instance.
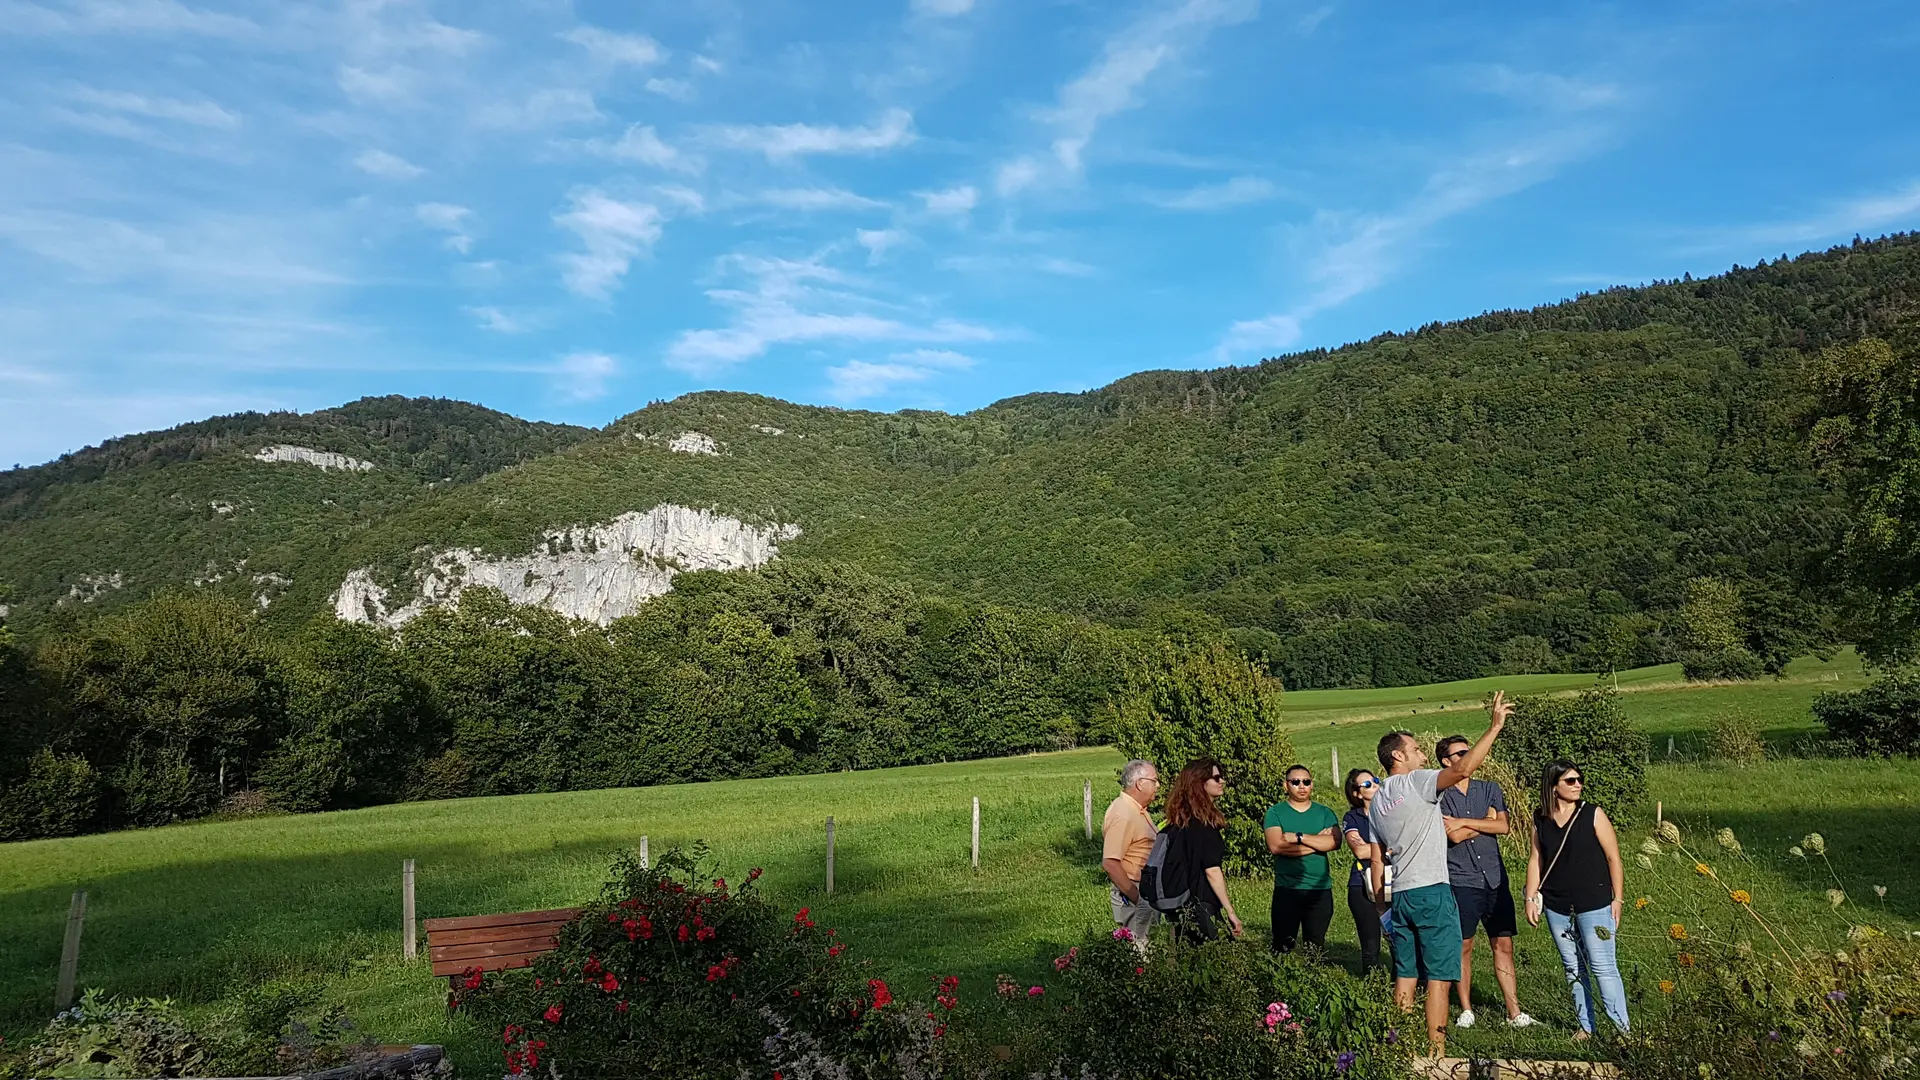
(1476, 755)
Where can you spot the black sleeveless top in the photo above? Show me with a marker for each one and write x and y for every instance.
(1579, 880)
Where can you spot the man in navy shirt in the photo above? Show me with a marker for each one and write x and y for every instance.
(1475, 812)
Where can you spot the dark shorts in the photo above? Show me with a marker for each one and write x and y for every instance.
(1426, 934)
(1493, 907)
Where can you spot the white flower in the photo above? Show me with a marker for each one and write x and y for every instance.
(1796, 852)
(1814, 843)
(1880, 891)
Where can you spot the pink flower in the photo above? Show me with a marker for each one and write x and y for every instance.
(553, 1014)
(1035, 991)
(1121, 933)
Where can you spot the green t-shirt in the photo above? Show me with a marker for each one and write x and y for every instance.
(1301, 871)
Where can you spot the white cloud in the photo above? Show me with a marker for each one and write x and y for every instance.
(793, 301)
(492, 318)
(386, 166)
(707, 64)
(857, 380)
(1109, 86)
(128, 17)
(942, 8)
(1542, 88)
(877, 241)
(677, 89)
(643, 144)
(816, 199)
(777, 141)
(1010, 264)
(556, 106)
(583, 376)
(684, 197)
(363, 85)
(957, 200)
(1861, 214)
(1264, 337)
(200, 113)
(614, 233)
(636, 49)
(448, 219)
(1239, 191)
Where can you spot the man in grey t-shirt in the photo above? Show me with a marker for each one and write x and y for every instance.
(1407, 822)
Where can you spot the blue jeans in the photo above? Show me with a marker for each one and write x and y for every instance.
(1587, 955)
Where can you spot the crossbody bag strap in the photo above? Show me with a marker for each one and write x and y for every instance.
(1565, 835)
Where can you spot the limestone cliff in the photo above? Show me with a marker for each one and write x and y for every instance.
(306, 455)
(595, 572)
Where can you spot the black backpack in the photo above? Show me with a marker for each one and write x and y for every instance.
(1163, 883)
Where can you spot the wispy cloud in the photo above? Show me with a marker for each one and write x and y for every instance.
(815, 199)
(1239, 191)
(551, 107)
(779, 141)
(1896, 209)
(614, 234)
(200, 113)
(156, 17)
(953, 201)
(1007, 264)
(944, 9)
(789, 301)
(583, 376)
(641, 143)
(859, 380)
(1542, 88)
(1110, 86)
(492, 318)
(449, 219)
(677, 89)
(386, 166)
(877, 241)
(605, 45)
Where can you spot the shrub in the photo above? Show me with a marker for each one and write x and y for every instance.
(1880, 718)
(1208, 701)
(1701, 665)
(1242, 1012)
(1588, 729)
(59, 796)
(1736, 738)
(675, 973)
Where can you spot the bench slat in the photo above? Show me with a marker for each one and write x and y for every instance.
(437, 938)
(491, 963)
(480, 950)
(513, 918)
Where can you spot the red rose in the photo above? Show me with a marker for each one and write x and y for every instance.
(609, 984)
(881, 995)
(684, 932)
(553, 1014)
(716, 973)
(620, 1008)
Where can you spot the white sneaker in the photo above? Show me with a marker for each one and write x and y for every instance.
(1464, 1020)
(1523, 1020)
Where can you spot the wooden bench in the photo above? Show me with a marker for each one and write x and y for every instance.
(493, 942)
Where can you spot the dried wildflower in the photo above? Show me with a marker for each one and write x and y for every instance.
(1796, 852)
(1645, 863)
(1727, 840)
(1669, 832)
(1650, 846)
(1880, 891)
(1703, 869)
(1677, 932)
(1835, 897)
(1814, 843)
(1685, 959)
(1641, 904)
(1666, 986)
(1742, 896)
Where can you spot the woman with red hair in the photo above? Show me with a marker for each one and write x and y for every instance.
(1194, 825)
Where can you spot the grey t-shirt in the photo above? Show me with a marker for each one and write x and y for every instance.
(1406, 817)
(1474, 863)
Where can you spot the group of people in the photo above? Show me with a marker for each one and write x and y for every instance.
(1427, 876)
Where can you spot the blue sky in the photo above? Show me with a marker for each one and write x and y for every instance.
(565, 210)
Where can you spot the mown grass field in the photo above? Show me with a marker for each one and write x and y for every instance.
(195, 911)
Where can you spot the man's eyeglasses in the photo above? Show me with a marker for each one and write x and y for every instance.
(1300, 783)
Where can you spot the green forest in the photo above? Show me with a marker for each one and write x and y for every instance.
(1719, 472)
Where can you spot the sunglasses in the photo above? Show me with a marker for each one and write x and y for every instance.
(1574, 780)
(1300, 783)
(1217, 776)
(1365, 785)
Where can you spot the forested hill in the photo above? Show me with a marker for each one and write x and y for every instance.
(1532, 489)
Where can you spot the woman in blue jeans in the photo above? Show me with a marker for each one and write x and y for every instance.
(1574, 879)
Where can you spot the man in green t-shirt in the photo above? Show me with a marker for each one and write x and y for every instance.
(1300, 833)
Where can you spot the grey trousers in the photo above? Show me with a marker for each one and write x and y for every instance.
(1138, 918)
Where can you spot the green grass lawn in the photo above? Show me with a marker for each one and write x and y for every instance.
(195, 911)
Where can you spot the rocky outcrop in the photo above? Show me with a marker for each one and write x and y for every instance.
(91, 587)
(692, 442)
(306, 455)
(594, 572)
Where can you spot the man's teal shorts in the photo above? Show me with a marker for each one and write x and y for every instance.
(1426, 934)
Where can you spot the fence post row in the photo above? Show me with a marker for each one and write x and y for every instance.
(976, 832)
(70, 952)
(1086, 806)
(410, 946)
(829, 855)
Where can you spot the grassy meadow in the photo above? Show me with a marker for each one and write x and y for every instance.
(195, 911)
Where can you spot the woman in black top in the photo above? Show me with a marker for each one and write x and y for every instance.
(1574, 878)
(1361, 786)
(1194, 822)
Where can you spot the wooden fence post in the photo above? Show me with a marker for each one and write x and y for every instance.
(70, 952)
(645, 859)
(1086, 806)
(1659, 814)
(976, 832)
(409, 945)
(1335, 778)
(829, 855)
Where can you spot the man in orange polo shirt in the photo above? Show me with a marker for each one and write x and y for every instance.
(1127, 835)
